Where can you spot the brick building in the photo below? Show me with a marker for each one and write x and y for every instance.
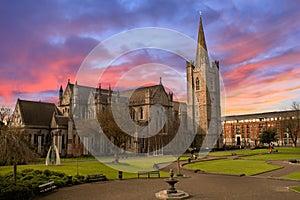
(245, 130)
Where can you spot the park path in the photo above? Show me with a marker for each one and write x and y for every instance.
(198, 185)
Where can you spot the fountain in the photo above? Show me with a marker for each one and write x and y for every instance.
(171, 193)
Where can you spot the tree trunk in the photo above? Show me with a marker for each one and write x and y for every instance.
(178, 165)
(116, 155)
(294, 140)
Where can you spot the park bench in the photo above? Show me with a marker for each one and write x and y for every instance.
(148, 173)
(96, 177)
(47, 187)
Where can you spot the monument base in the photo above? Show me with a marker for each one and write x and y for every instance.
(165, 195)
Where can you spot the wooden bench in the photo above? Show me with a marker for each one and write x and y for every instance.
(47, 187)
(148, 173)
(96, 177)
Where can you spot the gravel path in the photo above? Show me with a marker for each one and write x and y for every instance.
(199, 186)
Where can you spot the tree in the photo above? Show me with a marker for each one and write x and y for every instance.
(5, 113)
(112, 131)
(291, 123)
(268, 136)
(14, 148)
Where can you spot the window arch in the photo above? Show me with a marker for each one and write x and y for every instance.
(132, 113)
(141, 113)
(197, 84)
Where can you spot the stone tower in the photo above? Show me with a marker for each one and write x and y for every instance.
(203, 87)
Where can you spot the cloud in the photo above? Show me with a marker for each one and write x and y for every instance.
(257, 43)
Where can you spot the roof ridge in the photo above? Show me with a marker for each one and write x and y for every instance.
(30, 101)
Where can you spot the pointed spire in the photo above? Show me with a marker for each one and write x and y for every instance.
(160, 81)
(60, 89)
(201, 36)
(202, 55)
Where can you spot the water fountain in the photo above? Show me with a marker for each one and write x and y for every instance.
(171, 193)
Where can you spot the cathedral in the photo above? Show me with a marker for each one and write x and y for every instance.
(69, 124)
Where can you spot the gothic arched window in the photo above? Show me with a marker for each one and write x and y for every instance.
(141, 113)
(197, 84)
(132, 113)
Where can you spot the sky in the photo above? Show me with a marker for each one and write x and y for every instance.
(44, 43)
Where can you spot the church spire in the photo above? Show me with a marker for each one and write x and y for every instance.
(202, 55)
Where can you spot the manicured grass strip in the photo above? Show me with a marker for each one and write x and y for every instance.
(296, 188)
(294, 176)
(92, 166)
(227, 166)
(288, 149)
(273, 156)
(238, 152)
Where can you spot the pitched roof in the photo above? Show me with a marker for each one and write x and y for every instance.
(140, 94)
(61, 120)
(36, 113)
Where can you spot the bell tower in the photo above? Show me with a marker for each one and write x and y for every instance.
(204, 94)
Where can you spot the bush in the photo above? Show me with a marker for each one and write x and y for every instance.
(28, 183)
(17, 191)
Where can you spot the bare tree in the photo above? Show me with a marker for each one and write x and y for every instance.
(14, 148)
(291, 123)
(5, 113)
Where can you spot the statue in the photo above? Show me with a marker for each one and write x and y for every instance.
(52, 157)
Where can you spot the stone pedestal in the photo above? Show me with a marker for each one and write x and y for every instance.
(171, 193)
(165, 195)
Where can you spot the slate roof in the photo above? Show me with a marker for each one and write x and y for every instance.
(85, 91)
(37, 113)
(61, 120)
(140, 94)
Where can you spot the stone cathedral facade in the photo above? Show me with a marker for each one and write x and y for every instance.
(47, 123)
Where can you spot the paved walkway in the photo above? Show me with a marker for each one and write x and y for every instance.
(199, 186)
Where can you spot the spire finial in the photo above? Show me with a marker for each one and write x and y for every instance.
(160, 81)
(200, 12)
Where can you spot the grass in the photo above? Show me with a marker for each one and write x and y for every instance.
(294, 176)
(255, 151)
(296, 188)
(227, 166)
(238, 152)
(288, 149)
(273, 156)
(86, 166)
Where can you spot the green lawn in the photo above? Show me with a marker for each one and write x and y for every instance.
(255, 151)
(296, 188)
(273, 156)
(288, 149)
(92, 166)
(238, 152)
(227, 166)
(295, 176)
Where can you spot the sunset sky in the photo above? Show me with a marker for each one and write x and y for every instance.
(43, 44)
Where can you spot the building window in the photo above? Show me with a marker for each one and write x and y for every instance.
(132, 113)
(141, 113)
(35, 139)
(63, 142)
(197, 84)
